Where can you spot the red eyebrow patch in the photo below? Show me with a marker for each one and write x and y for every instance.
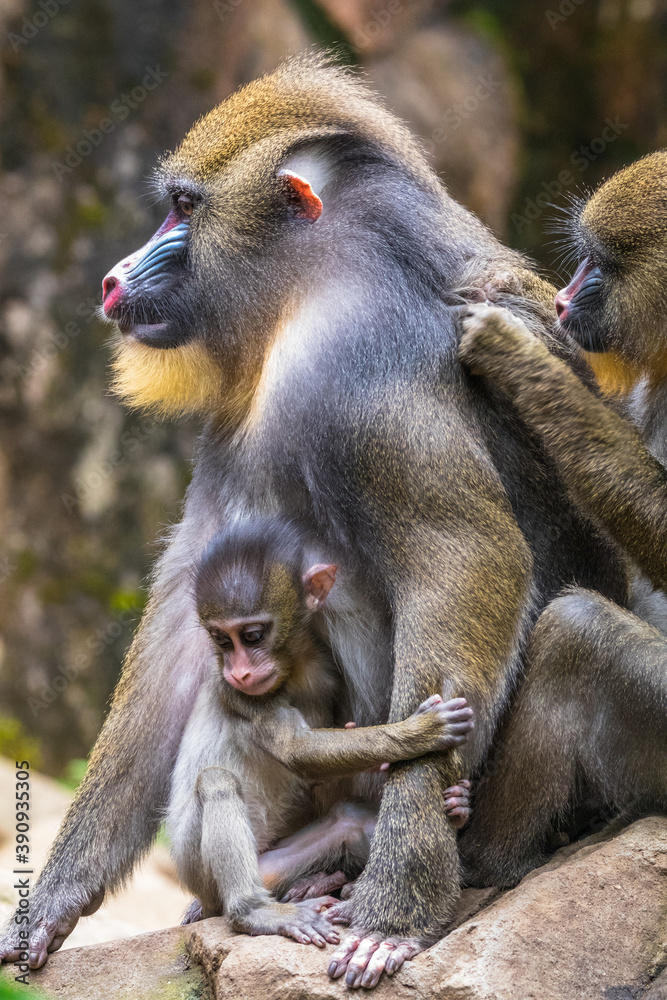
(303, 199)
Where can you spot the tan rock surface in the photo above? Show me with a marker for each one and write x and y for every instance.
(590, 925)
(150, 967)
(658, 990)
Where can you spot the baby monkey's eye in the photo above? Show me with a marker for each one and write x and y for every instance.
(221, 638)
(251, 636)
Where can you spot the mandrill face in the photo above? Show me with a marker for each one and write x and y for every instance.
(268, 200)
(617, 299)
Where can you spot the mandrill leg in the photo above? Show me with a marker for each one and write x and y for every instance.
(592, 712)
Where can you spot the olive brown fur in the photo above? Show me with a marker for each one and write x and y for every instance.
(594, 705)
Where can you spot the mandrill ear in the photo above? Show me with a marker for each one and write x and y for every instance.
(303, 201)
(317, 582)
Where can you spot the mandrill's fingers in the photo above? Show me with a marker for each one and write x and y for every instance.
(455, 716)
(359, 961)
(193, 913)
(340, 912)
(321, 904)
(48, 931)
(389, 951)
(315, 885)
(491, 336)
(402, 952)
(42, 939)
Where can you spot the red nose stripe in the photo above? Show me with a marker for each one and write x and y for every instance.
(111, 294)
(566, 294)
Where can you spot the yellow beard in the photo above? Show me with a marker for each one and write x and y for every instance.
(167, 382)
(614, 375)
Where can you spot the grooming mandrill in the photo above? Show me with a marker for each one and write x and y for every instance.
(303, 297)
(256, 740)
(605, 666)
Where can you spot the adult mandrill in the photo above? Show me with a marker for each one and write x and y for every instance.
(614, 751)
(303, 296)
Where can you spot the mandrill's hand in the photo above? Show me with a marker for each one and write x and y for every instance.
(53, 918)
(491, 341)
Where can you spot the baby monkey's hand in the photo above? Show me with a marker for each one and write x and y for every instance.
(453, 720)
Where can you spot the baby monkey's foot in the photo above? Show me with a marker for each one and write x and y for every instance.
(304, 922)
(457, 803)
(193, 913)
(311, 886)
(454, 716)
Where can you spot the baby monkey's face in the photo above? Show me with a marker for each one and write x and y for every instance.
(246, 652)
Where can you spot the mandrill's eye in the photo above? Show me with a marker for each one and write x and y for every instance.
(185, 202)
(253, 635)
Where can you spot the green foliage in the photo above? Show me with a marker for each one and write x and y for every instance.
(26, 564)
(127, 600)
(16, 744)
(484, 22)
(17, 991)
(323, 29)
(163, 837)
(73, 773)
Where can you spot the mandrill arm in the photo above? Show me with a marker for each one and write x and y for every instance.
(602, 459)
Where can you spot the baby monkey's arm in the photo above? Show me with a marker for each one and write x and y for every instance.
(324, 753)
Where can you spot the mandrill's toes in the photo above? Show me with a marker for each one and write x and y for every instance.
(363, 958)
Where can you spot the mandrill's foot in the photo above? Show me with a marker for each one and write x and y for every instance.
(304, 922)
(311, 886)
(457, 803)
(362, 958)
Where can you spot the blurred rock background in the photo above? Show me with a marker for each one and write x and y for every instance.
(518, 104)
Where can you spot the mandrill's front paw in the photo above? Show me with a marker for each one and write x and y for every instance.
(53, 918)
(492, 337)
